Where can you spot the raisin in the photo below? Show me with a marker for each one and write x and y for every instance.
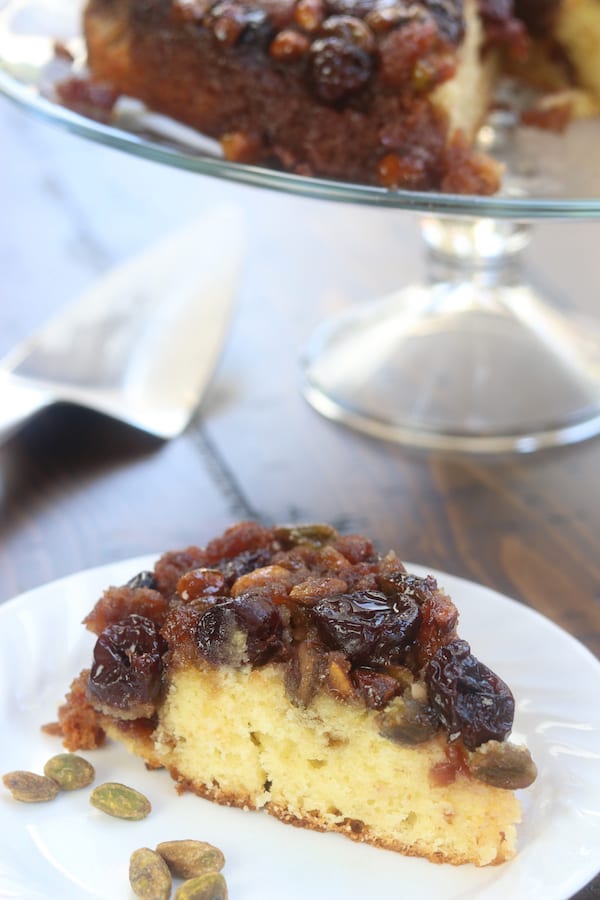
(179, 629)
(237, 539)
(200, 583)
(126, 673)
(118, 602)
(239, 630)
(375, 688)
(143, 580)
(420, 589)
(370, 628)
(244, 562)
(171, 566)
(338, 68)
(384, 18)
(470, 700)
(439, 618)
(403, 47)
(358, 8)
(233, 23)
(351, 29)
(289, 45)
(242, 146)
(356, 548)
(398, 173)
(309, 14)
(93, 99)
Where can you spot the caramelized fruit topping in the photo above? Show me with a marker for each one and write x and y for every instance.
(369, 627)
(240, 630)
(471, 701)
(125, 675)
(338, 617)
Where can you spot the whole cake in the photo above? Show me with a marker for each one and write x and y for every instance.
(297, 671)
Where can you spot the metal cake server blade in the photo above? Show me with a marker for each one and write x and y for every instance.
(141, 343)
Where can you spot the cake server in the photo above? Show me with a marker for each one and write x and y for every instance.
(141, 343)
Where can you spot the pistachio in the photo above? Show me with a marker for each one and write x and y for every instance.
(188, 859)
(502, 765)
(69, 771)
(407, 721)
(314, 536)
(29, 787)
(338, 676)
(120, 801)
(305, 672)
(210, 886)
(149, 875)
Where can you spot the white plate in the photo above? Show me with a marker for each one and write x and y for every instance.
(67, 849)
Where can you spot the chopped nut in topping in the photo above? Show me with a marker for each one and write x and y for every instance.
(408, 721)
(502, 765)
(275, 577)
(305, 672)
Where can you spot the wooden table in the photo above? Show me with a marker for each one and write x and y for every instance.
(77, 490)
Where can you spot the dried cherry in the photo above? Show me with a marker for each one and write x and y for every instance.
(368, 626)
(239, 630)
(375, 688)
(126, 671)
(470, 700)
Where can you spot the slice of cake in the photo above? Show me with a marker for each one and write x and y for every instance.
(297, 671)
(374, 91)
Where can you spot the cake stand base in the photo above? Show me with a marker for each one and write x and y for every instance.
(474, 361)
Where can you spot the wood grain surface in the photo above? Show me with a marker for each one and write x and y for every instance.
(78, 490)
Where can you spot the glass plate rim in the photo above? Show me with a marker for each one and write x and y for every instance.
(523, 209)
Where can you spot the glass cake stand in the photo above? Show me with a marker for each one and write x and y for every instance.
(473, 359)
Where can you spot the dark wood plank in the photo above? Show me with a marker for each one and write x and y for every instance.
(80, 490)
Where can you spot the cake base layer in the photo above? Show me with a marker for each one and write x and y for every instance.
(231, 735)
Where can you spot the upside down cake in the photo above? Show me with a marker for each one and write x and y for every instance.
(297, 671)
(376, 91)
(387, 92)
